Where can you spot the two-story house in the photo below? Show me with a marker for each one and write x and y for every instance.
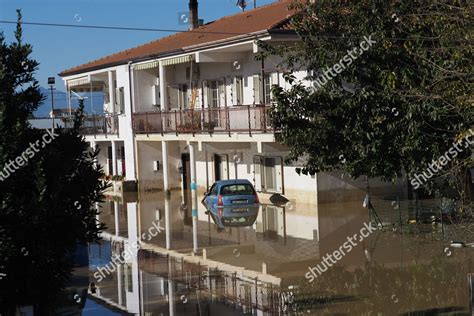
(193, 107)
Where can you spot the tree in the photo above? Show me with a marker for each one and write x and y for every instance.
(392, 106)
(48, 190)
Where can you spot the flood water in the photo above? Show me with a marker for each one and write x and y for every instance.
(260, 265)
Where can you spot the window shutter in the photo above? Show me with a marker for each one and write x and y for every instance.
(279, 175)
(257, 163)
(205, 89)
(222, 96)
(156, 95)
(275, 79)
(257, 87)
(120, 99)
(173, 97)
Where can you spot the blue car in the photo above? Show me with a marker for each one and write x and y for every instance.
(231, 199)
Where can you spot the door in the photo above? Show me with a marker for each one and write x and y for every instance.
(221, 167)
(185, 162)
(109, 160)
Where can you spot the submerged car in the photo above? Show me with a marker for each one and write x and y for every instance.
(231, 201)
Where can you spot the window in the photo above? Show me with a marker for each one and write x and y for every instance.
(214, 93)
(269, 80)
(156, 95)
(213, 190)
(183, 96)
(237, 189)
(239, 90)
(120, 96)
(268, 88)
(268, 174)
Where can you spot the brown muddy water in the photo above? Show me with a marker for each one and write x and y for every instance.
(261, 265)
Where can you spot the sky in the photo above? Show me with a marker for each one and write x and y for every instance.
(60, 48)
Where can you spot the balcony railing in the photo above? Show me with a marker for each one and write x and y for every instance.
(245, 119)
(96, 125)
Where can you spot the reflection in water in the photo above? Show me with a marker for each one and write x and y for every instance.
(257, 262)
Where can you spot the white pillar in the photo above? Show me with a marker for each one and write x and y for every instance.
(116, 218)
(171, 289)
(192, 155)
(163, 102)
(166, 188)
(111, 92)
(168, 221)
(93, 146)
(120, 284)
(114, 159)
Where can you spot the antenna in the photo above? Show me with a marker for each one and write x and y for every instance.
(242, 4)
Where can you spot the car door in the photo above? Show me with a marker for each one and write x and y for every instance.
(207, 201)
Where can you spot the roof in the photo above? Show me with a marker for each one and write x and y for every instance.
(233, 181)
(270, 17)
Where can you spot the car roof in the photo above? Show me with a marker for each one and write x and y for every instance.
(235, 181)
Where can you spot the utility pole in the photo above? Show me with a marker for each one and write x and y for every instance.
(51, 81)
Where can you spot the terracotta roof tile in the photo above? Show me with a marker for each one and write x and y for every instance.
(268, 17)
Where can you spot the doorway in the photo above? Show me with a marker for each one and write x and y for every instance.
(221, 167)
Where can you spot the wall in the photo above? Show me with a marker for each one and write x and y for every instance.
(125, 124)
(149, 151)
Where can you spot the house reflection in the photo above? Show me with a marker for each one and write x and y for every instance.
(248, 263)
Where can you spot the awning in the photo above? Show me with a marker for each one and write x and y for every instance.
(87, 86)
(148, 65)
(78, 82)
(177, 60)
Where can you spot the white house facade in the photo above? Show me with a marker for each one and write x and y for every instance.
(192, 108)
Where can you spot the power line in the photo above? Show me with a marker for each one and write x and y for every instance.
(103, 27)
(118, 28)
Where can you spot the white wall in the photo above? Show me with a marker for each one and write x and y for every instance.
(125, 122)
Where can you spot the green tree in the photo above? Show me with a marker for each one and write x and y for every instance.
(47, 206)
(396, 106)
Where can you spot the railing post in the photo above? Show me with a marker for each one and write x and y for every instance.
(209, 110)
(104, 125)
(176, 122)
(250, 124)
(117, 126)
(146, 123)
(192, 121)
(161, 123)
(227, 119)
(84, 120)
(264, 118)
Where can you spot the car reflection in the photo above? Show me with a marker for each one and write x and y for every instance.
(232, 217)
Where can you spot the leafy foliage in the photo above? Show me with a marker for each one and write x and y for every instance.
(396, 107)
(47, 206)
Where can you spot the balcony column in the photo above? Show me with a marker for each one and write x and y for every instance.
(163, 103)
(111, 92)
(166, 189)
(93, 146)
(114, 158)
(192, 156)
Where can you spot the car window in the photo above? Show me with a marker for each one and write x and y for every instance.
(237, 189)
(213, 190)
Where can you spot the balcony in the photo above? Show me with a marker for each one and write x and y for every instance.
(102, 125)
(244, 119)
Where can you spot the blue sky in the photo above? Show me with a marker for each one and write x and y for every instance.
(59, 48)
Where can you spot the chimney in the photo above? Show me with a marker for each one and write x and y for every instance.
(193, 14)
